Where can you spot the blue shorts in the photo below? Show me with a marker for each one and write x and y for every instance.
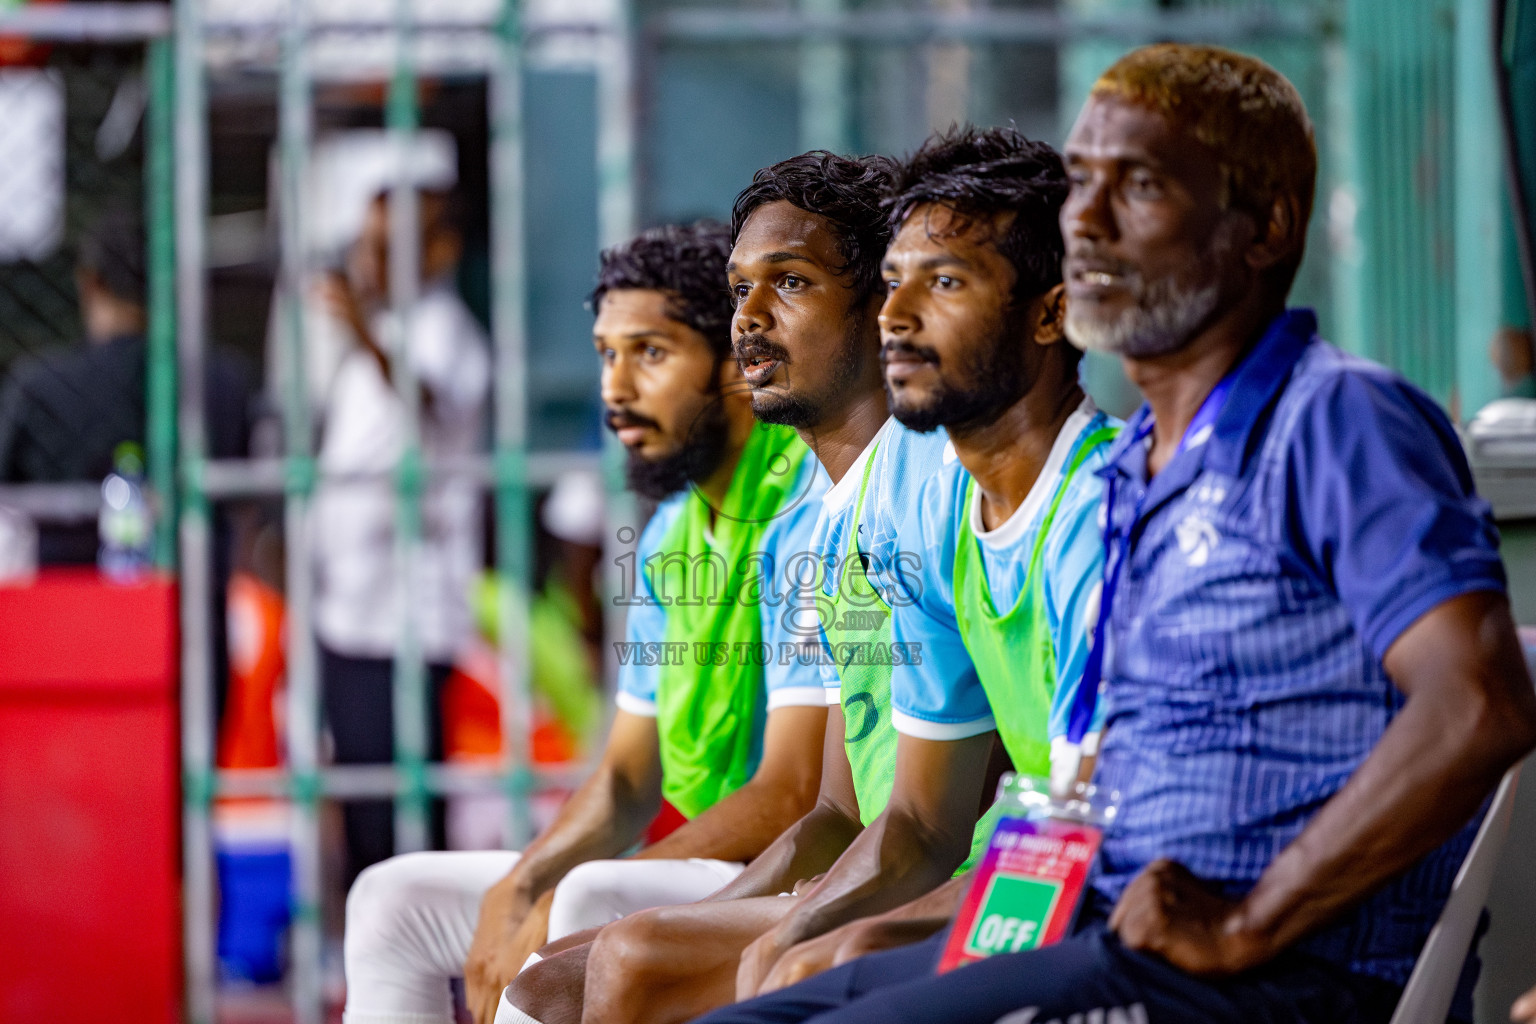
(1087, 977)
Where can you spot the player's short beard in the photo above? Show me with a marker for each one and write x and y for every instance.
(1167, 312)
(799, 409)
(700, 454)
(994, 380)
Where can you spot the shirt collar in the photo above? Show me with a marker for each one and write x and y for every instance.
(843, 493)
(1011, 530)
(1256, 380)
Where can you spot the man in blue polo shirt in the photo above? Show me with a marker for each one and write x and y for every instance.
(1311, 677)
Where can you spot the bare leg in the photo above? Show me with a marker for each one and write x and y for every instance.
(570, 941)
(550, 990)
(671, 964)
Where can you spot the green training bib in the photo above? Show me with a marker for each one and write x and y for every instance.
(859, 633)
(1014, 653)
(707, 705)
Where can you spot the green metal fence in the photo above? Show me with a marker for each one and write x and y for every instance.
(1409, 261)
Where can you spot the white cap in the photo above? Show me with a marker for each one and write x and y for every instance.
(574, 511)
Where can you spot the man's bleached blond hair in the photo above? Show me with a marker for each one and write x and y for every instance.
(1245, 111)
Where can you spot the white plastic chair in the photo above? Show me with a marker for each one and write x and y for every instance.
(1432, 985)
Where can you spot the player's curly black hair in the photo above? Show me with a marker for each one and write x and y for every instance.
(687, 261)
(980, 173)
(845, 190)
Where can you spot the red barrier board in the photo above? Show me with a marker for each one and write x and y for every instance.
(89, 802)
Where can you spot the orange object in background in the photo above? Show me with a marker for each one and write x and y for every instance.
(19, 51)
(89, 806)
(248, 736)
(472, 715)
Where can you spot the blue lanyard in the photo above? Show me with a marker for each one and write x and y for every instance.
(1086, 700)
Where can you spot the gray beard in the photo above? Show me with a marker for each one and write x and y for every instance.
(1162, 321)
(1165, 317)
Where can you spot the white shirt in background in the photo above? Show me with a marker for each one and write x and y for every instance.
(356, 598)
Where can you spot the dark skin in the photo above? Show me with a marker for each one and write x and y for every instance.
(1147, 196)
(791, 291)
(660, 375)
(949, 306)
(786, 274)
(669, 965)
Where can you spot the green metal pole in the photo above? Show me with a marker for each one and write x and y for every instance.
(618, 118)
(1483, 250)
(1400, 89)
(196, 582)
(160, 215)
(509, 328)
(302, 696)
(826, 107)
(402, 118)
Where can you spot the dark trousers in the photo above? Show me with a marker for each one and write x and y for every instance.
(359, 708)
(1088, 977)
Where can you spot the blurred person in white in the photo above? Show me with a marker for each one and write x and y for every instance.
(359, 619)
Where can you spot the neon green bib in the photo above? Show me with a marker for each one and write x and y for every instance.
(707, 705)
(859, 633)
(1014, 653)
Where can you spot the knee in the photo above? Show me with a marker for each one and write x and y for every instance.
(587, 897)
(526, 994)
(629, 953)
(550, 990)
(386, 898)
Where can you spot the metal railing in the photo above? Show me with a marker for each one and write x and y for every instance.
(296, 44)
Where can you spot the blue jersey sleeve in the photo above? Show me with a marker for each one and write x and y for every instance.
(793, 674)
(1383, 501)
(1074, 573)
(646, 622)
(935, 694)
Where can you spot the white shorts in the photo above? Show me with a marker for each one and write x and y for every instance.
(411, 919)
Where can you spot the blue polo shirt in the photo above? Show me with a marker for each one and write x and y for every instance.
(1274, 562)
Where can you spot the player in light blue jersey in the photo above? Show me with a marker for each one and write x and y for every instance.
(999, 561)
(1052, 541)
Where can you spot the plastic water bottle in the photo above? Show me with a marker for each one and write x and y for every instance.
(126, 526)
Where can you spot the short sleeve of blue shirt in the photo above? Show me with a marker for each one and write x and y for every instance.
(902, 460)
(793, 672)
(935, 695)
(1074, 566)
(1384, 503)
(941, 697)
(646, 622)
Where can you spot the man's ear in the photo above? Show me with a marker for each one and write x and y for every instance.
(1278, 236)
(1050, 316)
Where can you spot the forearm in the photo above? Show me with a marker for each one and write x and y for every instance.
(738, 828)
(894, 861)
(1429, 773)
(605, 817)
(937, 905)
(804, 850)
